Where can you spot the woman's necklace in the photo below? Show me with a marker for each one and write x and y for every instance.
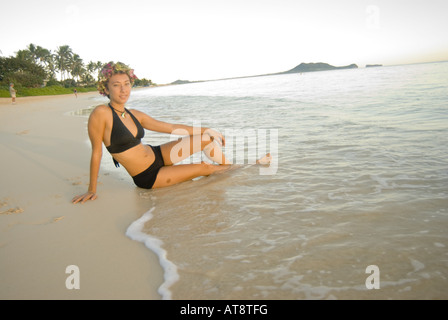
(123, 113)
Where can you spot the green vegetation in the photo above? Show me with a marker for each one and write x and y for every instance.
(45, 91)
(39, 71)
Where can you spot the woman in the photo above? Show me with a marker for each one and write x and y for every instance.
(121, 131)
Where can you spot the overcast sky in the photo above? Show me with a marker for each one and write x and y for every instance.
(166, 40)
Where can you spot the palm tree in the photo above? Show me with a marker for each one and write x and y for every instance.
(32, 50)
(24, 55)
(99, 67)
(91, 68)
(87, 78)
(50, 65)
(62, 57)
(76, 66)
(45, 59)
(41, 54)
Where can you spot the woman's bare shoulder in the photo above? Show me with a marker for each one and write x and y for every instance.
(99, 114)
(140, 115)
(100, 110)
(135, 111)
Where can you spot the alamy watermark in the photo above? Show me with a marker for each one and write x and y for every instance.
(73, 280)
(373, 17)
(242, 146)
(373, 280)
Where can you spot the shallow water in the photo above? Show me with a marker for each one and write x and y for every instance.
(360, 179)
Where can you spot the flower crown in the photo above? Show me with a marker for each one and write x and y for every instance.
(111, 69)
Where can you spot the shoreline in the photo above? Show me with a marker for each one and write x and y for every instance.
(45, 163)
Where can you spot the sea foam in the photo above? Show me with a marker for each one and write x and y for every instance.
(134, 232)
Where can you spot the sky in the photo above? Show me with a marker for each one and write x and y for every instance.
(167, 40)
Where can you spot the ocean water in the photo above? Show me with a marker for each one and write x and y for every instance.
(359, 179)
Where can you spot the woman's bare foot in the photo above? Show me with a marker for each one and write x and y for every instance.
(266, 160)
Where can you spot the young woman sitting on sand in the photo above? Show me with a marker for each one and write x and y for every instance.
(121, 131)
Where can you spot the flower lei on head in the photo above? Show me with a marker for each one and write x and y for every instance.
(111, 69)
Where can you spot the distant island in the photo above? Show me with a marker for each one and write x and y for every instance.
(182, 82)
(373, 65)
(320, 66)
(303, 67)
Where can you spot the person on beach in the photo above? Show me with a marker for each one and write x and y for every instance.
(75, 92)
(12, 92)
(121, 131)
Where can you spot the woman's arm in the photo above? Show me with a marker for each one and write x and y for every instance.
(165, 127)
(96, 130)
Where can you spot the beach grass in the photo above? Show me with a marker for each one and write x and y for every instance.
(45, 91)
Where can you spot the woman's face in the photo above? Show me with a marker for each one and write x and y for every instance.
(119, 88)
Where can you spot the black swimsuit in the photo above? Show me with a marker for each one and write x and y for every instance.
(121, 139)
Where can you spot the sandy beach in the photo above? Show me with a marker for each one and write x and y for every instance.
(45, 163)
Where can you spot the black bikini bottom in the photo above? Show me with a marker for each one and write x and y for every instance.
(147, 178)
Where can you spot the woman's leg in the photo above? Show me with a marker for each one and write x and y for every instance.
(213, 152)
(176, 151)
(170, 175)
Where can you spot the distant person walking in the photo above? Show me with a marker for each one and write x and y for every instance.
(76, 93)
(12, 91)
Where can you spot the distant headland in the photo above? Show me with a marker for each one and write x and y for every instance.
(319, 66)
(301, 68)
(373, 65)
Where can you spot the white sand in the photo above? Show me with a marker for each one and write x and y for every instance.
(44, 164)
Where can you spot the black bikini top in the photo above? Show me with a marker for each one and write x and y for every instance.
(121, 139)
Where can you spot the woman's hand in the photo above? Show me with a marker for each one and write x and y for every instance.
(216, 136)
(86, 196)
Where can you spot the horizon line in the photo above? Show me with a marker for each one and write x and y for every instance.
(379, 65)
